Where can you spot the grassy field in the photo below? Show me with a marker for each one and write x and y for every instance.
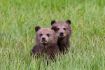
(19, 17)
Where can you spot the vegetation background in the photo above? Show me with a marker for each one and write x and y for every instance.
(19, 17)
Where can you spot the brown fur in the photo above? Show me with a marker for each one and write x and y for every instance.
(65, 28)
(49, 47)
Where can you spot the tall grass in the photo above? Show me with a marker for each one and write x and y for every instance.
(19, 17)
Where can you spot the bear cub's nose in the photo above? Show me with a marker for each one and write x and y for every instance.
(43, 39)
(61, 34)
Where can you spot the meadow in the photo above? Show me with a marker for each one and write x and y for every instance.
(18, 19)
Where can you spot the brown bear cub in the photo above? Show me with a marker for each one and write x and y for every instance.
(46, 43)
(63, 31)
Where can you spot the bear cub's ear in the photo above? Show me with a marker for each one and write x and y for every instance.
(37, 28)
(52, 22)
(68, 21)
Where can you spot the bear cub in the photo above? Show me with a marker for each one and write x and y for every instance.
(63, 31)
(46, 43)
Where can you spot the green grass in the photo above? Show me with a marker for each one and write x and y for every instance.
(19, 17)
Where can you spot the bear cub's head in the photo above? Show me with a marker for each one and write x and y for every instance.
(45, 36)
(62, 28)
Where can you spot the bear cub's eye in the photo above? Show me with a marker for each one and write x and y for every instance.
(57, 29)
(48, 35)
(40, 35)
(64, 28)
